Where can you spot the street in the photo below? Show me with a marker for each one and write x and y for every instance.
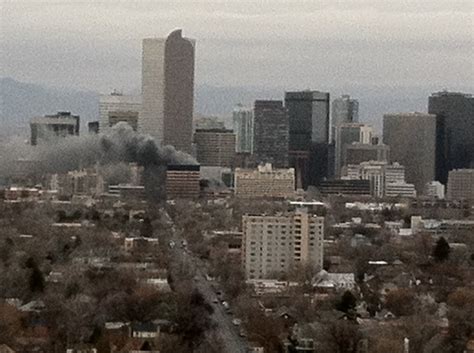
(224, 328)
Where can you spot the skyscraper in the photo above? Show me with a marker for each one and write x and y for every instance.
(344, 110)
(271, 133)
(346, 134)
(416, 142)
(243, 129)
(457, 112)
(308, 113)
(168, 90)
(215, 147)
(116, 107)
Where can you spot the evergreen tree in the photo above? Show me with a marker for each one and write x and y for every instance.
(36, 280)
(348, 302)
(441, 250)
(146, 228)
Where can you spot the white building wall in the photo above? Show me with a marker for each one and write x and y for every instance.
(115, 103)
(151, 118)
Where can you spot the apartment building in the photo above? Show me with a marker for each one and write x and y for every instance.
(272, 245)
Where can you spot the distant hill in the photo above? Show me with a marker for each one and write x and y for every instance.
(21, 101)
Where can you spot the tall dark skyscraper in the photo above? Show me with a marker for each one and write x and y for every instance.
(457, 111)
(308, 113)
(344, 110)
(271, 133)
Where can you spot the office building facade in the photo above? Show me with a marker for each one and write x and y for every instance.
(309, 131)
(272, 245)
(380, 175)
(435, 190)
(416, 142)
(168, 90)
(461, 184)
(49, 128)
(182, 181)
(456, 111)
(356, 153)
(346, 134)
(271, 133)
(264, 181)
(215, 147)
(344, 110)
(116, 107)
(308, 113)
(345, 187)
(243, 129)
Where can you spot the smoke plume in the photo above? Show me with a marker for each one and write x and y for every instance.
(121, 145)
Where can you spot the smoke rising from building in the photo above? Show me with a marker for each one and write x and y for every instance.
(120, 145)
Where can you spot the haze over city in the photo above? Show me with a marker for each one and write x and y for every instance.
(237, 176)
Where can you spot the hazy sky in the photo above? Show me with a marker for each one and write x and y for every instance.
(301, 44)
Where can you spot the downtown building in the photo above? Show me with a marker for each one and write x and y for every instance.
(435, 190)
(168, 90)
(273, 245)
(416, 141)
(182, 182)
(357, 153)
(264, 182)
(456, 113)
(50, 128)
(461, 184)
(344, 110)
(271, 133)
(346, 134)
(386, 180)
(115, 108)
(215, 147)
(243, 128)
(309, 131)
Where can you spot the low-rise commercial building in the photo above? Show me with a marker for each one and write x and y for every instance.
(345, 187)
(264, 182)
(385, 179)
(435, 190)
(357, 153)
(182, 181)
(49, 128)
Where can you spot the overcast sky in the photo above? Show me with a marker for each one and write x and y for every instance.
(296, 44)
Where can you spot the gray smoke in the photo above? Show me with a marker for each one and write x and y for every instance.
(121, 145)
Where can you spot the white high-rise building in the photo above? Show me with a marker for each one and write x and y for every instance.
(168, 90)
(116, 107)
(243, 129)
(272, 245)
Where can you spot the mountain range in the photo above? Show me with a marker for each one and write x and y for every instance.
(20, 101)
